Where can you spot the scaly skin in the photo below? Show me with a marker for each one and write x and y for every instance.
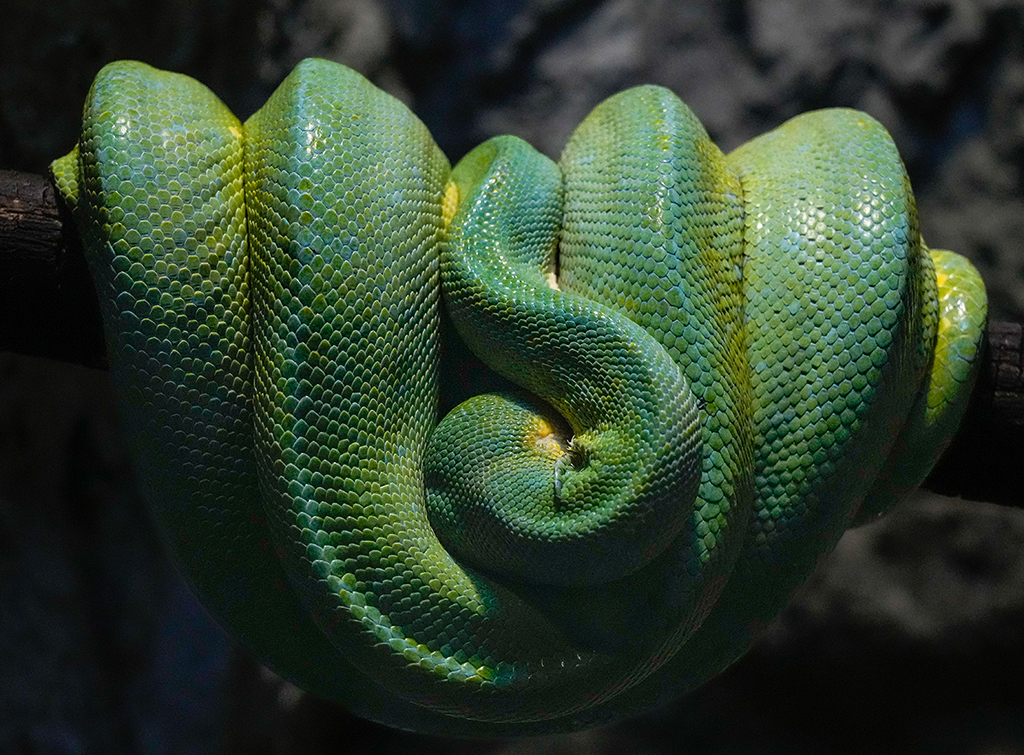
(722, 361)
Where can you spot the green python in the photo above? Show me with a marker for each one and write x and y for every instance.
(520, 446)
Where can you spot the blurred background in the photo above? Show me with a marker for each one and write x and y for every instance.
(910, 638)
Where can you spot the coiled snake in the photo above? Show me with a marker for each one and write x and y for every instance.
(700, 369)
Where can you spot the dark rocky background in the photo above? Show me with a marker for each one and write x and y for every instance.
(909, 639)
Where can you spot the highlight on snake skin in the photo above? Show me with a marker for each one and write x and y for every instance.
(521, 446)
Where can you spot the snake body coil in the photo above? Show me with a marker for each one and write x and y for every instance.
(709, 365)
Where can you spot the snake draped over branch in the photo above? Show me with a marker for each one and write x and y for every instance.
(520, 446)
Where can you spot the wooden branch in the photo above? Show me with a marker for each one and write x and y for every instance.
(985, 462)
(1003, 378)
(48, 305)
(48, 308)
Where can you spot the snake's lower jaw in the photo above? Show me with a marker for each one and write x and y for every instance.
(272, 300)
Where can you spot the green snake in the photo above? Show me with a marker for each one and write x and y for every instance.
(520, 446)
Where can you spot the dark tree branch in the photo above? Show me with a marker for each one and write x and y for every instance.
(986, 459)
(48, 305)
(1003, 378)
(48, 308)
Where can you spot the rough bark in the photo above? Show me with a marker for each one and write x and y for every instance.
(48, 305)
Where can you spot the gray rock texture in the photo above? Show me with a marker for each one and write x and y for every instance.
(946, 77)
(909, 639)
